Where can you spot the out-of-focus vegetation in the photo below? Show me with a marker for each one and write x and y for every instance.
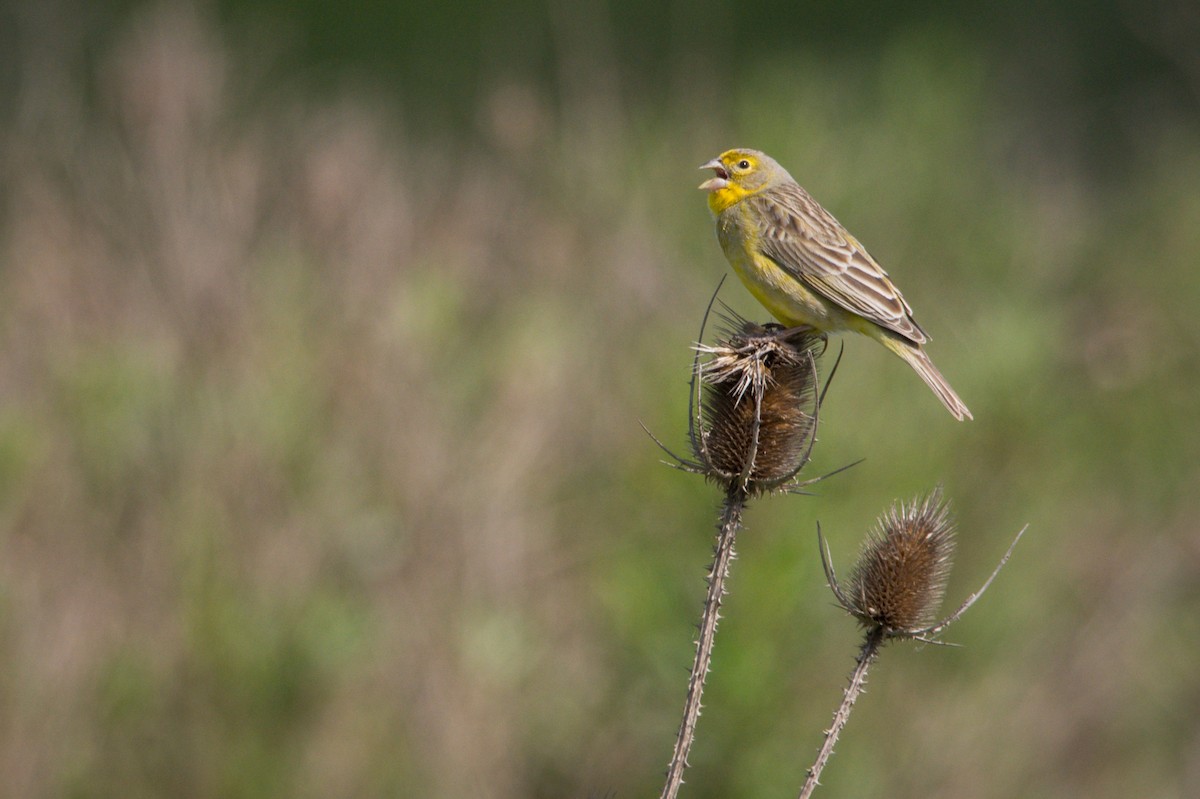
(326, 338)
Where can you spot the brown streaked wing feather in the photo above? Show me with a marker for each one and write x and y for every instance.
(807, 242)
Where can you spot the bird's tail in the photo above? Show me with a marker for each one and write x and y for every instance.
(915, 357)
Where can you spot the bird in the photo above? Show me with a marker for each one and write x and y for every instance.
(806, 268)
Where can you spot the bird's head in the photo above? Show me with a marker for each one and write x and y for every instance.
(740, 173)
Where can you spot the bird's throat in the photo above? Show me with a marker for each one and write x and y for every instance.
(723, 198)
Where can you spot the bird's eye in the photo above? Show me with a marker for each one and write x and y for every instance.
(743, 164)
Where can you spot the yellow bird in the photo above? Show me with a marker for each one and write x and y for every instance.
(805, 268)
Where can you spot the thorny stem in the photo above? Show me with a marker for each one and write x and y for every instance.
(731, 522)
(858, 680)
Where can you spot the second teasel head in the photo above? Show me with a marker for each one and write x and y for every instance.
(899, 581)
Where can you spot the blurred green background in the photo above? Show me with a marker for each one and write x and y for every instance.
(327, 331)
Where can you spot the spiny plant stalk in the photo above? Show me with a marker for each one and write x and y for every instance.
(894, 591)
(731, 522)
(858, 681)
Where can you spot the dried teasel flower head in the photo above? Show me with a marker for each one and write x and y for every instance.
(894, 591)
(900, 578)
(758, 407)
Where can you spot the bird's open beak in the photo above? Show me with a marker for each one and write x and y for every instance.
(716, 183)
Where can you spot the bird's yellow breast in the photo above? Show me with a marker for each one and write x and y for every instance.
(788, 299)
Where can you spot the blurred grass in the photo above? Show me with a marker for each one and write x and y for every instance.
(320, 467)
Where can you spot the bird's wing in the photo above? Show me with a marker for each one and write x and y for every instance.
(808, 243)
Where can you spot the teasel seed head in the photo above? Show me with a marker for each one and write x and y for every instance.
(758, 407)
(900, 578)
